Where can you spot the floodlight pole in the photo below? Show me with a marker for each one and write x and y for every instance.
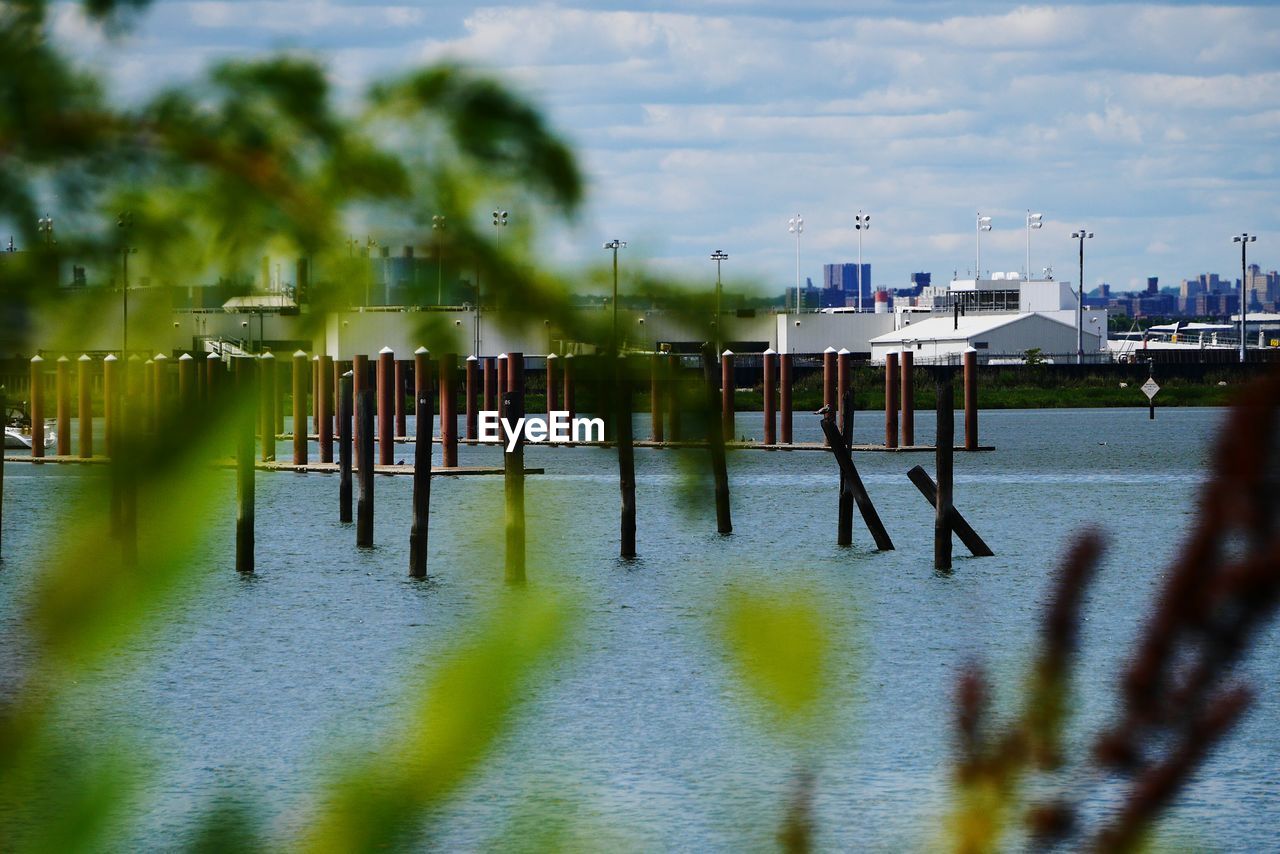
(795, 226)
(1080, 235)
(718, 256)
(615, 245)
(1034, 221)
(861, 223)
(1244, 240)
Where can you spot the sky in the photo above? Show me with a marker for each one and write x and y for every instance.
(705, 126)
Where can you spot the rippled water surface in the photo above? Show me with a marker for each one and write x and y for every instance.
(640, 735)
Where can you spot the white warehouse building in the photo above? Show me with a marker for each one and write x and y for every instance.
(996, 337)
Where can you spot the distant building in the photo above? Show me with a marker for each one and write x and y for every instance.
(1153, 285)
(846, 280)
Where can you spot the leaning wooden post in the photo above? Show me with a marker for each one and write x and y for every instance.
(110, 403)
(186, 383)
(891, 400)
(245, 427)
(626, 459)
(345, 392)
(513, 492)
(844, 378)
(364, 507)
(657, 393)
(386, 406)
(784, 392)
(62, 391)
(715, 444)
(448, 411)
(471, 372)
(908, 400)
(266, 420)
(324, 409)
(421, 490)
(830, 401)
(570, 395)
(727, 384)
(971, 399)
(490, 393)
(851, 481)
(553, 385)
(976, 545)
(301, 373)
(37, 406)
(770, 396)
(401, 387)
(946, 442)
(84, 405)
(844, 532)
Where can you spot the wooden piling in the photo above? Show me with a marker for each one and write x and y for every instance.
(365, 405)
(844, 379)
(770, 396)
(448, 411)
(386, 393)
(186, 383)
(626, 460)
(971, 400)
(401, 389)
(315, 393)
(302, 372)
(324, 409)
(212, 366)
(570, 394)
(84, 405)
(146, 406)
(250, 402)
(727, 383)
(345, 441)
(266, 418)
(490, 392)
(161, 398)
(657, 395)
(37, 406)
(502, 374)
(471, 372)
(515, 375)
(945, 448)
(784, 392)
(126, 472)
(891, 400)
(974, 543)
(830, 400)
(844, 528)
(553, 384)
(62, 396)
(908, 399)
(715, 444)
(513, 493)
(359, 382)
(421, 490)
(851, 482)
(277, 400)
(674, 385)
(110, 404)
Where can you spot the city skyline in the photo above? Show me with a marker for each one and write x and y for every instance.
(1152, 125)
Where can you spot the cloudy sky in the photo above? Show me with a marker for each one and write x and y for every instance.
(704, 126)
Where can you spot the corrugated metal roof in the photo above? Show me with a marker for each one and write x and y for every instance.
(258, 302)
(945, 328)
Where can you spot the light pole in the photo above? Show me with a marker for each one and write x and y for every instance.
(861, 223)
(615, 245)
(1244, 240)
(1080, 235)
(124, 222)
(718, 256)
(437, 226)
(499, 223)
(795, 226)
(1035, 222)
(45, 226)
(984, 224)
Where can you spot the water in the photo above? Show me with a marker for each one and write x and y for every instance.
(641, 735)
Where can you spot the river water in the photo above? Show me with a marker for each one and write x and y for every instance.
(641, 736)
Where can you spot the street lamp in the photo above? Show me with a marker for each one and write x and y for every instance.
(1035, 222)
(718, 256)
(124, 222)
(984, 224)
(795, 226)
(499, 222)
(861, 223)
(615, 245)
(437, 226)
(1244, 240)
(45, 226)
(1080, 235)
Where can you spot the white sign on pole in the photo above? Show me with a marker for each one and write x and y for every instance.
(1149, 388)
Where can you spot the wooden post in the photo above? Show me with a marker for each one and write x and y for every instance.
(365, 405)
(249, 401)
(490, 384)
(160, 391)
(674, 386)
(976, 545)
(421, 491)
(784, 381)
(37, 406)
(84, 405)
(266, 418)
(472, 381)
(386, 380)
(515, 375)
(513, 493)
(830, 401)
(324, 409)
(553, 385)
(62, 390)
(844, 378)
(570, 395)
(277, 400)
(345, 425)
(359, 382)
(852, 481)
(844, 531)
(727, 383)
(316, 373)
(186, 383)
(657, 393)
(946, 443)
(908, 400)
(301, 373)
(891, 400)
(626, 459)
(422, 383)
(401, 388)
(212, 365)
(715, 444)
(971, 400)
(502, 374)
(448, 413)
(770, 396)
(146, 406)
(110, 404)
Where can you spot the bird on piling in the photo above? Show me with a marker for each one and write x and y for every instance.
(826, 407)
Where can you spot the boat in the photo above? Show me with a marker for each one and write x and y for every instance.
(17, 430)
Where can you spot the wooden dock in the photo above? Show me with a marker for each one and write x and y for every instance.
(329, 468)
(736, 446)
